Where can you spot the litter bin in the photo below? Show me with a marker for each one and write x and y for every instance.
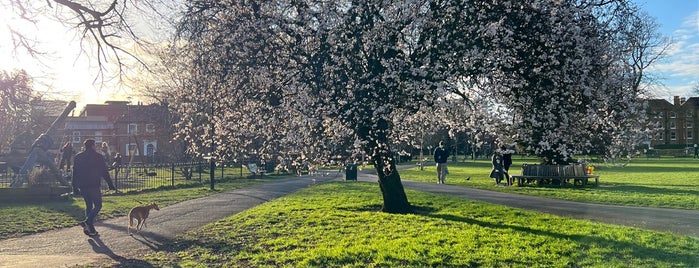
(350, 172)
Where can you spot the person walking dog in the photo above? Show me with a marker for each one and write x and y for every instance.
(89, 169)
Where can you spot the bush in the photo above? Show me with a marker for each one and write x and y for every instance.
(41, 175)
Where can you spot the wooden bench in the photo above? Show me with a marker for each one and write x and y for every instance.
(554, 173)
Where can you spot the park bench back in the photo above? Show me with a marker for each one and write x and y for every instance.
(560, 173)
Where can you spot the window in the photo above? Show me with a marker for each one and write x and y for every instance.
(673, 115)
(150, 150)
(689, 135)
(659, 115)
(76, 136)
(131, 149)
(98, 136)
(672, 125)
(689, 114)
(673, 136)
(150, 128)
(133, 129)
(690, 125)
(660, 136)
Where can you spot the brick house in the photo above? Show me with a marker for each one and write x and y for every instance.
(674, 124)
(134, 131)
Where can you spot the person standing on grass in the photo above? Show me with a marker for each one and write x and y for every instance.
(498, 168)
(506, 160)
(106, 152)
(89, 168)
(66, 156)
(441, 154)
(116, 165)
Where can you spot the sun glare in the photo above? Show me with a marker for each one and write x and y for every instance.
(59, 68)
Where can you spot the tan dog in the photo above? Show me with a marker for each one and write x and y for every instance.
(140, 214)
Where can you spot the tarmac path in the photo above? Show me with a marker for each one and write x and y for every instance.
(70, 247)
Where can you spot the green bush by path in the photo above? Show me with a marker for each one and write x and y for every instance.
(656, 182)
(337, 225)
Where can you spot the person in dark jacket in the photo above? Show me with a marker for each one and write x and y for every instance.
(89, 169)
(441, 154)
(506, 152)
(498, 169)
(66, 156)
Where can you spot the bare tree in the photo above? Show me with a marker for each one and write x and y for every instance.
(15, 105)
(108, 25)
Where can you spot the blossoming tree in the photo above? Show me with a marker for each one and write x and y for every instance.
(309, 76)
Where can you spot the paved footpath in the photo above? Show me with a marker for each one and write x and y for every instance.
(69, 246)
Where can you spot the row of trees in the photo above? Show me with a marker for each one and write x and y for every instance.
(311, 77)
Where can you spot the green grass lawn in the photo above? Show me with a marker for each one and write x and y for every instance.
(337, 225)
(26, 218)
(656, 182)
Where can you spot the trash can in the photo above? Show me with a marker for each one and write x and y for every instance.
(350, 172)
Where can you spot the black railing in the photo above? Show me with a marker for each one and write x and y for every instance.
(140, 176)
(6, 175)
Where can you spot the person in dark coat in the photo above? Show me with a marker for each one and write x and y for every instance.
(441, 154)
(506, 160)
(66, 156)
(89, 168)
(498, 168)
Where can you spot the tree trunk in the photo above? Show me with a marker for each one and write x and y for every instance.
(394, 198)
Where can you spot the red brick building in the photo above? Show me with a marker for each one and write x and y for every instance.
(675, 125)
(137, 132)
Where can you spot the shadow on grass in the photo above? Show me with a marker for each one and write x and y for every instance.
(588, 241)
(650, 169)
(629, 188)
(99, 247)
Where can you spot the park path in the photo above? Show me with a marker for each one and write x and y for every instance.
(679, 221)
(70, 247)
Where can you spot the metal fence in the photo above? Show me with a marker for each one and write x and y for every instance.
(6, 175)
(140, 176)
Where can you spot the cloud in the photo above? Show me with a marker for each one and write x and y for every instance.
(679, 70)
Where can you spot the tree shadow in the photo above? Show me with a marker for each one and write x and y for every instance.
(151, 240)
(635, 250)
(629, 188)
(99, 247)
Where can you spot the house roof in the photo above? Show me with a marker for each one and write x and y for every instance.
(144, 113)
(655, 104)
(693, 101)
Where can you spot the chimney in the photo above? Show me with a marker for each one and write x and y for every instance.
(677, 101)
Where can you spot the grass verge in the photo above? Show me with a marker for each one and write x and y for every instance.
(26, 218)
(336, 225)
(656, 182)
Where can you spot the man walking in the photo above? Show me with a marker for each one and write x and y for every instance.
(440, 157)
(89, 169)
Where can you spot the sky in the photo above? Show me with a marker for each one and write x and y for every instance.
(679, 21)
(66, 72)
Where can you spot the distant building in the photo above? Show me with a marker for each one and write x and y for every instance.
(674, 124)
(134, 131)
